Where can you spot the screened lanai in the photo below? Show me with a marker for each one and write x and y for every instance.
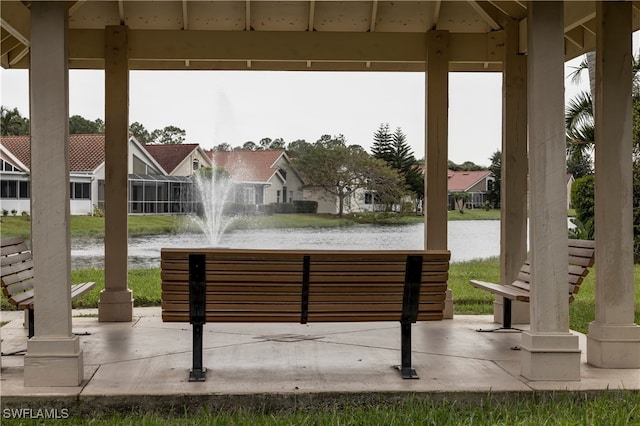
(528, 42)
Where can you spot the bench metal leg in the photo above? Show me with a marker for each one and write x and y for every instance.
(32, 328)
(506, 319)
(197, 312)
(406, 370)
(198, 372)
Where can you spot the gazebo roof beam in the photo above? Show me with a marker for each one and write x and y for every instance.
(247, 15)
(374, 14)
(169, 45)
(493, 16)
(312, 12)
(15, 19)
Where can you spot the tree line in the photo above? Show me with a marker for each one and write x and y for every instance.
(389, 175)
(13, 123)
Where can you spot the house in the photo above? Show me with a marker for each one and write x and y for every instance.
(151, 189)
(261, 177)
(86, 168)
(475, 182)
(361, 200)
(179, 159)
(570, 180)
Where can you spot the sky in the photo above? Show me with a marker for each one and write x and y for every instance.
(215, 107)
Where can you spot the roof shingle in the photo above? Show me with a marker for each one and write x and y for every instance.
(170, 156)
(86, 152)
(248, 166)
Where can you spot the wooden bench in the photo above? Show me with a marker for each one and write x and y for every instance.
(581, 257)
(232, 285)
(17, 280)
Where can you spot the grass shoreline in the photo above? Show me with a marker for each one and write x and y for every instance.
(141, 225)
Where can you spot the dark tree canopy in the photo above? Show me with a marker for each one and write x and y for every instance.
(396, 152)
(339, 170)
(79, 125)
(169, 135)
(382, 140)
(467, 166)
(12, 123)
(140, 132)
(496, 174)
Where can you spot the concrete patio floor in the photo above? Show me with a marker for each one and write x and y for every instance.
(146, 362)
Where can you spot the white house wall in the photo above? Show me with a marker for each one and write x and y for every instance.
(185, 168)
(292, 183)
(135, 149)
(326, 204)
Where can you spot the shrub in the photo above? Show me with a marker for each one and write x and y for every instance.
(582, 198)
(97, 211)
(305, 206)
(283, 208)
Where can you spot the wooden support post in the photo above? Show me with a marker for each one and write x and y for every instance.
(614, 339)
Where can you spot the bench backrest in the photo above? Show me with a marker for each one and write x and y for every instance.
(16, 269)
(267, 285)
(581, 257)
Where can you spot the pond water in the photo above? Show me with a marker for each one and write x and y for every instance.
(467, 240)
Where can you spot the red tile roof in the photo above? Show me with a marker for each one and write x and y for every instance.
(247, 166)
(464, 180)
(86, 152)
(169, 156)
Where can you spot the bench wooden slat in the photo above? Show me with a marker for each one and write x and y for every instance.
(581, 256)
(18, 287)
(253, 317)
(16, 274)
(16, 258)
(295, 297)
(507, 291)
(15, 267)
(22, 300)
(12, 249)
(271, 280)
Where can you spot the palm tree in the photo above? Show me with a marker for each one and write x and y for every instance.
(460, 199)
(580, 130)
(579, 119)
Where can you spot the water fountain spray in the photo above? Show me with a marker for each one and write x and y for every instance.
(213, 190)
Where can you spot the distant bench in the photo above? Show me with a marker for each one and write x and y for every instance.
(16, 273)
(230, 285)
(581, 257)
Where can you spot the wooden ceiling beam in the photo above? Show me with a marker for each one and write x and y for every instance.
(374, 15)
(16, 20)
(314, 46)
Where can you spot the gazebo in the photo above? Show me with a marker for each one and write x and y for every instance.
(528, 42)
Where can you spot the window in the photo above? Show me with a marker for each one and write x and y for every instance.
(7, 167)
(80, 191)
(371, 198)
(25, 190)
(249, 195)
(278, 196)
(196, 164)
(9, 189)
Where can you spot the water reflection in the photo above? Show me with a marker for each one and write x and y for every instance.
(467, 240)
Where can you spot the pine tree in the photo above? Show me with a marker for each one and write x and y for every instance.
(382, 140)
(403, 160)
